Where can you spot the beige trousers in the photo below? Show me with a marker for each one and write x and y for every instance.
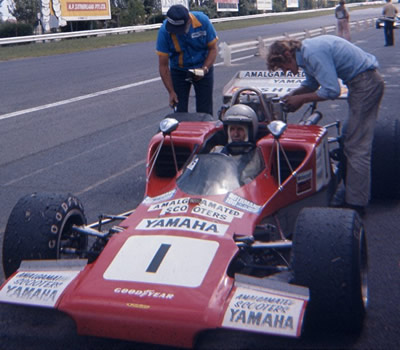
(364, 97)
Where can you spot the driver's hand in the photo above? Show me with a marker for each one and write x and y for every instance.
(292, 103)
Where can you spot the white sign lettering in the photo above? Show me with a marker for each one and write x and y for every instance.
(265, 312)
(175, 206)
(36, 288)
(241, 203)
(183, 223)
(161, 197)
(214, 210)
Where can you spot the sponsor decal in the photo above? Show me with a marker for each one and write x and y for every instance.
(161, 260)
(279, 90)
(304, 182)
(138, 306)
(272, 74)
(265, 311)
(214, 210)
(193, 163)
(147, 293)
(175, 206)
(183, 223)
(242, 203)
(36, 288)
(160, 198)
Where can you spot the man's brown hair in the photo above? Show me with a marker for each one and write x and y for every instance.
(276, 53)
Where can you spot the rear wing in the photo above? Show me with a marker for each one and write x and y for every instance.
(270, 83)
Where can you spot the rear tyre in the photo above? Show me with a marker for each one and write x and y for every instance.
(329, 256)
(40, 227)
(385, 160)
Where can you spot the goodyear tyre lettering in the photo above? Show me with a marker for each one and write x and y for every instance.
(38, 224)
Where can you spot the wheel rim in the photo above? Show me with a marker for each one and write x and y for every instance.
(68, 238)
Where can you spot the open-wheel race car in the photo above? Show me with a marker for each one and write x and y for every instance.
(207, 250)
(380, 22)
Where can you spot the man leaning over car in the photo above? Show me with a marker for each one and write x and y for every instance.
(324, 59)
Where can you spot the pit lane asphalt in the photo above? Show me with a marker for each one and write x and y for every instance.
(95, 149)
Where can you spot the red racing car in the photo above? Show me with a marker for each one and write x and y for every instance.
(206, 250)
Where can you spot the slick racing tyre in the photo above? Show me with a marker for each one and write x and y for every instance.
(385, 160)
(39, 227)
(329, 256)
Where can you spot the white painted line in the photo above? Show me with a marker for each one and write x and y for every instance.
(94, 94)
(103, 181)
(76, 99)
(72, 158)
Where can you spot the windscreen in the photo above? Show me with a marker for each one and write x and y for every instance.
(210, 174)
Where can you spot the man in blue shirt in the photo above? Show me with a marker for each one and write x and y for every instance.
(187, 41)
(325, 59)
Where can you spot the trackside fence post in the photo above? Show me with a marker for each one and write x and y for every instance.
(225, 53)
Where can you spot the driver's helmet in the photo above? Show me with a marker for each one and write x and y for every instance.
(241, 114)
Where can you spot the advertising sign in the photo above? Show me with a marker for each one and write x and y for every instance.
(227, 5)
(61, 11)
(264, 5)
(75, 10)
(292, 3)
(166, 4)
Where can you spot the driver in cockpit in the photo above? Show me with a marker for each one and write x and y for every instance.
(241, 127)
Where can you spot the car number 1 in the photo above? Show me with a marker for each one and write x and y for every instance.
(169, 260)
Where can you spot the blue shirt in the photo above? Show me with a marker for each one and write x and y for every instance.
(187, 51)
(326, 58)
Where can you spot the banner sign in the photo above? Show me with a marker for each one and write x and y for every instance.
(264, 5)
(227, 5)
(76, 10)
(292, 3)
(166, 4)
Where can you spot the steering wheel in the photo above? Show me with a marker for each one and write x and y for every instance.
(237, 147)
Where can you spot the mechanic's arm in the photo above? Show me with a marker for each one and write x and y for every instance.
(165, 74)
(303, 94)
(211, 57)
(294, 102)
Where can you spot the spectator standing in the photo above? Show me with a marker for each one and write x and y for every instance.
(325, 59)
(187, 41)
(342, 15)
(389, 12)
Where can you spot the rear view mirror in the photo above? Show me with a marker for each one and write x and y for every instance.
(277, 128)
(168, 125)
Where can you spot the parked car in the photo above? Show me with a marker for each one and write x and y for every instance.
(380, 22)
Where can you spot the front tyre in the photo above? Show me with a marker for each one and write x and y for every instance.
(40, 227)
(329, 256)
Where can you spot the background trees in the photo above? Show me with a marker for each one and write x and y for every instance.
(136, 12)
(25, 10)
